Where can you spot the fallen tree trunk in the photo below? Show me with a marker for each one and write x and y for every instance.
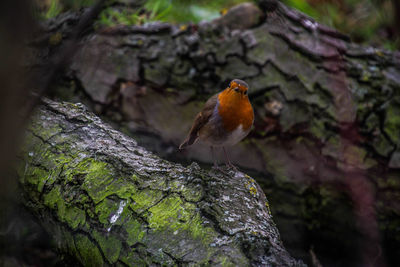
(107, 201)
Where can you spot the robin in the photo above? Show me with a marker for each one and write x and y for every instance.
(226, 119)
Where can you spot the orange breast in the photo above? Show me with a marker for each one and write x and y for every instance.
(235, 109)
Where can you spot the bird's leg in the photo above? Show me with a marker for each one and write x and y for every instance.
(216, 167)
(228, 162)
(213, 157)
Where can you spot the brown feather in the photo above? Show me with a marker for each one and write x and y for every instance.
(201, 119)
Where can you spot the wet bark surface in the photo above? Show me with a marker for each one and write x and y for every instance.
(327, 114)
(107, 201)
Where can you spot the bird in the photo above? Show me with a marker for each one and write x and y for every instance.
(226, 118)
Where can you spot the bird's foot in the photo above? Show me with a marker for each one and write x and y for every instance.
(228, 162)
(229, 165)
(220, 169)
(227, 169)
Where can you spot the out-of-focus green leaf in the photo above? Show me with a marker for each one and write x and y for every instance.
(364, 20)
(54, 9)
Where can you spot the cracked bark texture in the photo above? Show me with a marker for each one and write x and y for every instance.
(108, 201)
(327, 110)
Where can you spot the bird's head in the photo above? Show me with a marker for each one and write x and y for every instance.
(238, 86)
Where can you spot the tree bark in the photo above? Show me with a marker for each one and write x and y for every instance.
(326, 109)
(107, 201)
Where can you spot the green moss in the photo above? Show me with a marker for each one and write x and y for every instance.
(51, 178)
(317, 128)
(144, 199)
(36, 176)
(51, 163)
(110, 245)
(100, 180)
(197, 230)
(354, 155)
(192, 193)
(89, 254)
(135, 178)
(225, 262)
(221, 259)
(74, 217)
(130, 258)
(392, 123)
(105, 209)
(53, 199)
(45, 131)
(135, 231)
(97, 177)
(172, 214)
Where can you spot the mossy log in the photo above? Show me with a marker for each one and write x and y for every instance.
(108, 201)
(326, 111)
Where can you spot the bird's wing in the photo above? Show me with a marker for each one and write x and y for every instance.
(201, 119)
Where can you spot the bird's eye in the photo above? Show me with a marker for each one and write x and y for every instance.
(245, 92)
(236, 89)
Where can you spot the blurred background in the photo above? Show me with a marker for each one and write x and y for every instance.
(374, 22)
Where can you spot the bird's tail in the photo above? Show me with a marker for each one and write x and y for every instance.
(188, 141)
